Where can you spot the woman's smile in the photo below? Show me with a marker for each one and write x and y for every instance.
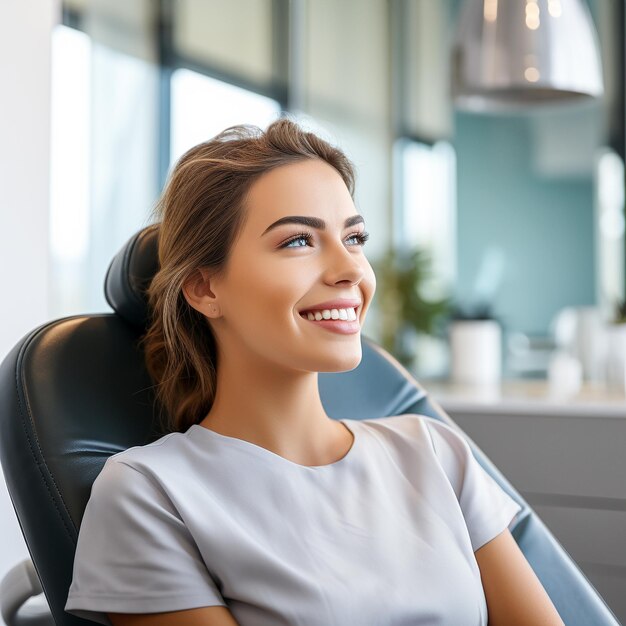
(339, 315)
(344, 320)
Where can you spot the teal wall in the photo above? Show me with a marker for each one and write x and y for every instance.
(544, 227)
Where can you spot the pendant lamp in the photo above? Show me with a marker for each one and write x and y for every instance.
(515, 54)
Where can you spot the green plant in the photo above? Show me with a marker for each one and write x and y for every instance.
(620, 312)
(402, 278)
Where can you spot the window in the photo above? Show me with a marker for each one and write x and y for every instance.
(203, 106)
(426, 219)
(428, 207)
(128, 100)
(103, 169)
(70, 168)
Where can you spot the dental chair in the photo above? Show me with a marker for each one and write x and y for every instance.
(75, 391)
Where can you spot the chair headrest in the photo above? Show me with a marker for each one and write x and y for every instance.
(129, 275)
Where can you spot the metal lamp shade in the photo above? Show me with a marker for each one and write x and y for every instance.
(511, 54)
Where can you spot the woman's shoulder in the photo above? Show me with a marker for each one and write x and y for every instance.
(410, 424)
(152, 459)
(399, 433)
(407, 431)
(169, 442)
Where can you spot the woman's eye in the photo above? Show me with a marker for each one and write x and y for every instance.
(300, 237)
(360, 237)
(306, 237)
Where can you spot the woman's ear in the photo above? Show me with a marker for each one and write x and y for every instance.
(198, 294)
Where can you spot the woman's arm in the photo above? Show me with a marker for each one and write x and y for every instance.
(515, 596)
(205, 616)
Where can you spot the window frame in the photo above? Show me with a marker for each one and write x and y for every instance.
(169, 60)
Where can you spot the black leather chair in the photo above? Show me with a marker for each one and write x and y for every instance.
(74, 391)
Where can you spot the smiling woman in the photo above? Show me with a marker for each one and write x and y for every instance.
(233, 264)
(256, 507)
(253, 308)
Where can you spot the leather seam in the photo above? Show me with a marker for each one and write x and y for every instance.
(24, 408)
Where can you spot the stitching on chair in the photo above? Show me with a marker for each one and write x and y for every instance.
(28, 414)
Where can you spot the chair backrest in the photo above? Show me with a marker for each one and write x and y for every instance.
(75, 390)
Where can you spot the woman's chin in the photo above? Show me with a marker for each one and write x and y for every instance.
(342, 363)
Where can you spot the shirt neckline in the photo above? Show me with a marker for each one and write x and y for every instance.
(261, 451)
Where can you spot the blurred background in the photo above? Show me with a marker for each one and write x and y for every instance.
(497, 228)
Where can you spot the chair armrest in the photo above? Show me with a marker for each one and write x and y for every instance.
(19, 584)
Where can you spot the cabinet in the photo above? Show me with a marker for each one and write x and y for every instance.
(567, 457)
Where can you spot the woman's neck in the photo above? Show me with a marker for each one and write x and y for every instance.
(280, 412)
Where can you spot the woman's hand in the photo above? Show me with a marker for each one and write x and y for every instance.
(515, 596)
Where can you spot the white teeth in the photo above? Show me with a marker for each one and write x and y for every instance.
(335, 314)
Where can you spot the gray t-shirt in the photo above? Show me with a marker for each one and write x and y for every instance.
(383, 537)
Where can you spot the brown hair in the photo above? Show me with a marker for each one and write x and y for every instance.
(201, 211)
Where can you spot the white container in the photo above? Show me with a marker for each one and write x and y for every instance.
(565, 374)
(580, 331)
(475, 352)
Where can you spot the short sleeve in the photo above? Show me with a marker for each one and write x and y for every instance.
(134, 553)
(486, 507)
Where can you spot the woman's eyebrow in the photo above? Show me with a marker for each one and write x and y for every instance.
(313, 222)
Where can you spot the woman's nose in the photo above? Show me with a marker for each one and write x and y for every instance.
(343, 264)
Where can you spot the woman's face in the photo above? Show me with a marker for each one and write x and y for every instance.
(274, 272)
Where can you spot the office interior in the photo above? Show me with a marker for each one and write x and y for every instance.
(497, 234)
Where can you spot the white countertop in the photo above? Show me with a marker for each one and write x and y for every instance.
(527, 397)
